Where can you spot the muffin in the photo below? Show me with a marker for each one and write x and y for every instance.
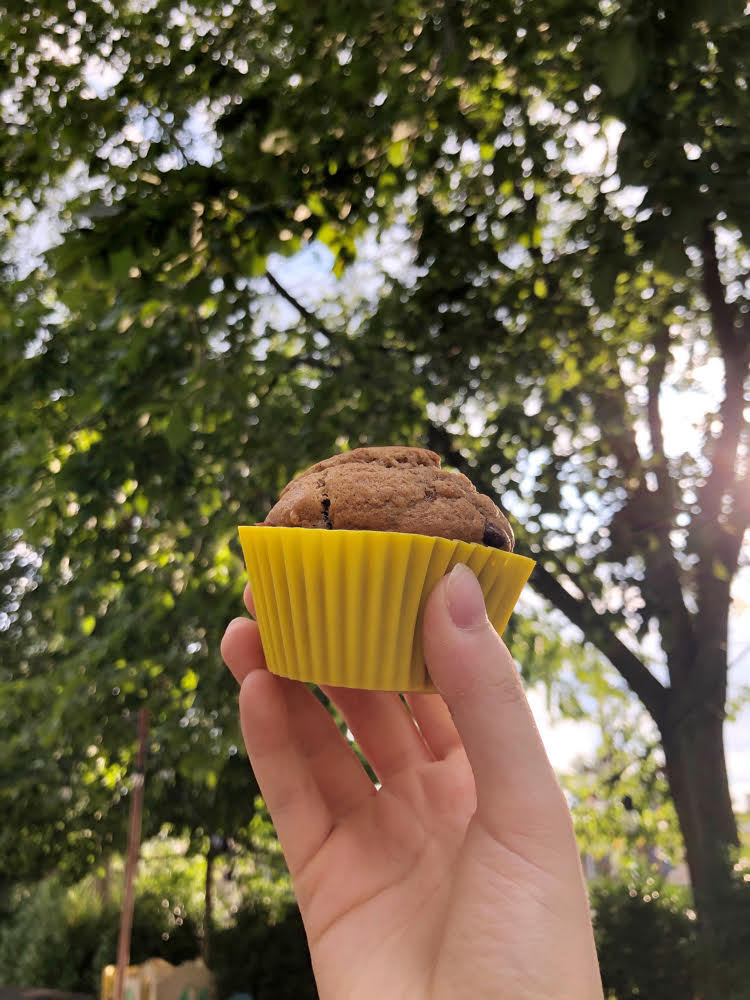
(391, 489)
(342, 567)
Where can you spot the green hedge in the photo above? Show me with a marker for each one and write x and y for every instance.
(649, 947)
(645, 941)
(268, 960)
(61, 938)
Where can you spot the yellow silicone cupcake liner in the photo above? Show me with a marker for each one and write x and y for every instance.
(345, 607)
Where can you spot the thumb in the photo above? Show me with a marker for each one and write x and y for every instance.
(472, 669)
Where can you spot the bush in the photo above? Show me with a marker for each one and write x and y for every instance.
(57, 937)
(33, 941)
(269, 960)
(645, 941)
(650, 947)
(729, 962)
(62, 938)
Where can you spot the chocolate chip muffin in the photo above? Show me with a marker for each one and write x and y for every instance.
(391, 489)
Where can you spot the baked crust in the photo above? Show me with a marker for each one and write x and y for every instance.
(391, 489)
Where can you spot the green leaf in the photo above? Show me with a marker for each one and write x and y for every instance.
(120, 263)
(189, 681)
(621, 63)
(397, 153)
(722, 11)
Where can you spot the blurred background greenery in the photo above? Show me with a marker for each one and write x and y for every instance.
(237, 237)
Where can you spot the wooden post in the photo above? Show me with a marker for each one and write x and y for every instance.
(208, 913)
(131, 863)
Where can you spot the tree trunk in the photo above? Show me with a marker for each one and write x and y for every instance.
(696, 770)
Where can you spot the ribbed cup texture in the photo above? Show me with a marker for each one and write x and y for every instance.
(345, 607)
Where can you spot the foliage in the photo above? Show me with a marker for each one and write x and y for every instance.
(645, 942)
(269, 881)
(733, 947)
(571, 184)
(62, 938)
(648, 946)
(623, 814)
(166, 870)
(264, 956)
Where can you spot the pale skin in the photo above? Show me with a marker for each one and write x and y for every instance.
(459, 878)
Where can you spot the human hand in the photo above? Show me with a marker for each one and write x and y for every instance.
(459, 877)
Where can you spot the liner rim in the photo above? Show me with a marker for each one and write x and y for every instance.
(327, 532)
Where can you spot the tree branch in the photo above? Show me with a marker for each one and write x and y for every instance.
(578, 610)
(611, 411)
(723, 313)
(310, 318)
(654, 380)
(661, 569)
(719, 534)
(735, 352)
(650, 516)
(315, 323)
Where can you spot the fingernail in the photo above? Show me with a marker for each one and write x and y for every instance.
(465, 598)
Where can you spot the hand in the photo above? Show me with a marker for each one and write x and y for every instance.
(459, 876)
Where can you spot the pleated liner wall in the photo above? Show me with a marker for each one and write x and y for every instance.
(345, 607)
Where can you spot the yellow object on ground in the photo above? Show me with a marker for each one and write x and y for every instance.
(158, 980)
(345, 607)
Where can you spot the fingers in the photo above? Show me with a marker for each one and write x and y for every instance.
(340, 778)
(241, 648)
(300, 814)
(435, 724)
(379, 721)
(474, 672)
(383, 728)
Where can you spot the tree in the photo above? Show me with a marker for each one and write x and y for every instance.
(572, 182)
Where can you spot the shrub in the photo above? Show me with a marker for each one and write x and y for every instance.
(649, 944)
(646, 943)
(729, 963)
(33, 946)
(267, 959)
(62, 938)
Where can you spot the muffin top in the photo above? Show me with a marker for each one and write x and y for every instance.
(391, 489)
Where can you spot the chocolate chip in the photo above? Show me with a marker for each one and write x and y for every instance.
(325, 507)
(495, 537)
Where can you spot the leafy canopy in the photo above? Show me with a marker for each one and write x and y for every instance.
(571, 183)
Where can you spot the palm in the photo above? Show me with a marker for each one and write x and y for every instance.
(454, 877)
(377, 887)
